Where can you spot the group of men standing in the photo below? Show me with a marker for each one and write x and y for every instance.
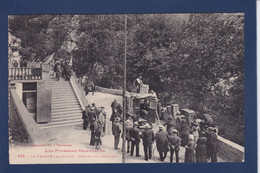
(95, 118)
(199, 146)
(200, 141)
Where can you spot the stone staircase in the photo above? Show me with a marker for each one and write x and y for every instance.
(65, 110)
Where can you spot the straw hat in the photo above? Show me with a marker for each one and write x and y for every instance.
(147, 126)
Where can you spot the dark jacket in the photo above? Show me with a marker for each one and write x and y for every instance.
(148, 137)
(116, 129)
(134, 133)
(162, 141)
(212, 142)
(92, 114)
(93, 126)
(201, 150)
(114, 115)
(174, 142)
(85, 115)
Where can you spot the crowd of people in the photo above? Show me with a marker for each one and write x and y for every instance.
(199, 146)
(62, 69)
(95, 119)
(199, 139)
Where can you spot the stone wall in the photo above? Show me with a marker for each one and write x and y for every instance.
(17, 131)
(230, 151)
(22, 126)
(109, 91)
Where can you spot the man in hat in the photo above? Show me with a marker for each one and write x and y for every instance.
(116, 132)
(93, 128)
(162, 143)
(104, 118)
(128, 136)
(174, 143)
(212, 144)
(135, 138)
(92, 114)
(85, 117)
(148, 138)
(97, 134)
(114, 105)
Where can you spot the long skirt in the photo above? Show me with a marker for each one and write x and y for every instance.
(189, 156)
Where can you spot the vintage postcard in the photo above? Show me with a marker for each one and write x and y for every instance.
(178, 98)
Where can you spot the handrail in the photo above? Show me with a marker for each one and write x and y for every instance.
(29, 124)
(78, 91)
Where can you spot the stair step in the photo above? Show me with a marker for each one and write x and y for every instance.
(63, 100)
(73, 112)
(63, 123)
(53, 110)
(71, 105)
(60, 125)
(63, 103)
(64, 94)
(66, 115)
(58, 97)
(64, 90)
(66, 118)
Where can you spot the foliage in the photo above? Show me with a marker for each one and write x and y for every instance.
(195, 60)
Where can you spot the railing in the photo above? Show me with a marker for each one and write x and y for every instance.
(22, 127)
(78, 91)
(25, 73)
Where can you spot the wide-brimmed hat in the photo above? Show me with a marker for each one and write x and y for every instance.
(128, 122)
(147, 126)
(175, 131)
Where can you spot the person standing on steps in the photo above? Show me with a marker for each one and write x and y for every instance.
(58, 72)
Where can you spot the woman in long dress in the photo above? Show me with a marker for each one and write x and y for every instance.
(201, 150)
(190, 150)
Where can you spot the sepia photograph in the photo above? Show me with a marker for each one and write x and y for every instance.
(126, 88)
